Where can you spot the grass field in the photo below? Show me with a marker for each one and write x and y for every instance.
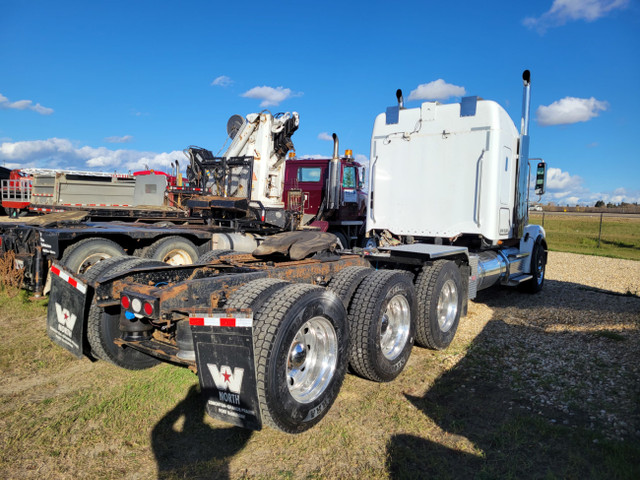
(620, 236)
(451, 414)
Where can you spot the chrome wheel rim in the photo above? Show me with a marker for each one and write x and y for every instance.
(447, 305)
(395, 324)
(312, 360)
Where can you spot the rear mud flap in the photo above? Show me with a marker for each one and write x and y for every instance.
(66, 312)
(224, 355)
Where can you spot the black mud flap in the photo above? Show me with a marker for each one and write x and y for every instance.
(224, 356)
(66, 312)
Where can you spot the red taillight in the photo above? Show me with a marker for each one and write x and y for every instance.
(148, 309)
(124, 301)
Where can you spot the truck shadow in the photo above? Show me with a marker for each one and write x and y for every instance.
(516, 405)
(186, 447)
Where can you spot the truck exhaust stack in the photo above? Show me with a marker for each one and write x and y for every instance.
(521, 207)
(333, 192)
(526, 103)
(400, 99)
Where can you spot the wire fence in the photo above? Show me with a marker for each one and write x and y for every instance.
(613, 235)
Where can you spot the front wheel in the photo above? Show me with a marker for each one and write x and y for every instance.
(301, 341)
(538, 267)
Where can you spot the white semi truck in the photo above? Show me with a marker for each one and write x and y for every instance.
(270, 334)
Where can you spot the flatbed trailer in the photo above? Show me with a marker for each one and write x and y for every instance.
(37, 241)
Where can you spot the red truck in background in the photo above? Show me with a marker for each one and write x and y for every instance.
(311, 178)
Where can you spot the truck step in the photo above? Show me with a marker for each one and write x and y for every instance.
(518, 279)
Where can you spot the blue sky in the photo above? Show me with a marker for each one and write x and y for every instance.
(114, 85)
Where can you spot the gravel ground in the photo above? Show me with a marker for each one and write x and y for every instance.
(572, 352)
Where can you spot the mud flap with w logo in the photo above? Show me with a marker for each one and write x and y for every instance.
(224, 356)
(66, 311)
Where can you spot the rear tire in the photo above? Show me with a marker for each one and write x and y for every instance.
(173, 250)
(301, 343)
(439, 291)
(382, 318)
(103, 325)
(83, 255)
(345, 283)
(214, 255)
(254, 294)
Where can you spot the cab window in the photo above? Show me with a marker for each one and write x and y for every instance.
(349, 177)
(309, 174)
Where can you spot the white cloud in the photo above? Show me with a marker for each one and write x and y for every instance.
(24, 105)
(362, 159)
(325, 136)
(222, 81)
(560, 182)
(64, 154)
(563, 11)
(436, 90)
(116, 139)
(570, 110)
(564, 188)
(270, 96)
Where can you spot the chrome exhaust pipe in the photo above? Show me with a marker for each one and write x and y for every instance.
(521, 207)
(526, 103)
(334, 176)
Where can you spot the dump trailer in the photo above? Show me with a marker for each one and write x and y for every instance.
(227, 203)
(270, 334)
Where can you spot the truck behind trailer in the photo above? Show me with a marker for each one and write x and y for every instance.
(226, 203)
(270, 334)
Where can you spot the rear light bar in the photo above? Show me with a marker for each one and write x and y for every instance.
(139, 305)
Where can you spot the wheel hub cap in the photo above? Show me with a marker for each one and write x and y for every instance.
(447, 305)
(312, 360)
(394, 327)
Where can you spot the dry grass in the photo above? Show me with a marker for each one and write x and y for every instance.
(493, 405)
(10, 277)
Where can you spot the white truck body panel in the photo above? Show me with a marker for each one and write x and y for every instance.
(436, 173)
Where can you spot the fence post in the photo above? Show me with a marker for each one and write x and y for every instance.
(600, 230)
(542, 219)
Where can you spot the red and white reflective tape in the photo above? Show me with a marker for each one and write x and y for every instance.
(93, 205)
(221, 321)
(186, 189)
(42, 194)
(46, 210)
(74, 282)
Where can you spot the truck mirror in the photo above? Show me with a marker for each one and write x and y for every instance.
(541, 177)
